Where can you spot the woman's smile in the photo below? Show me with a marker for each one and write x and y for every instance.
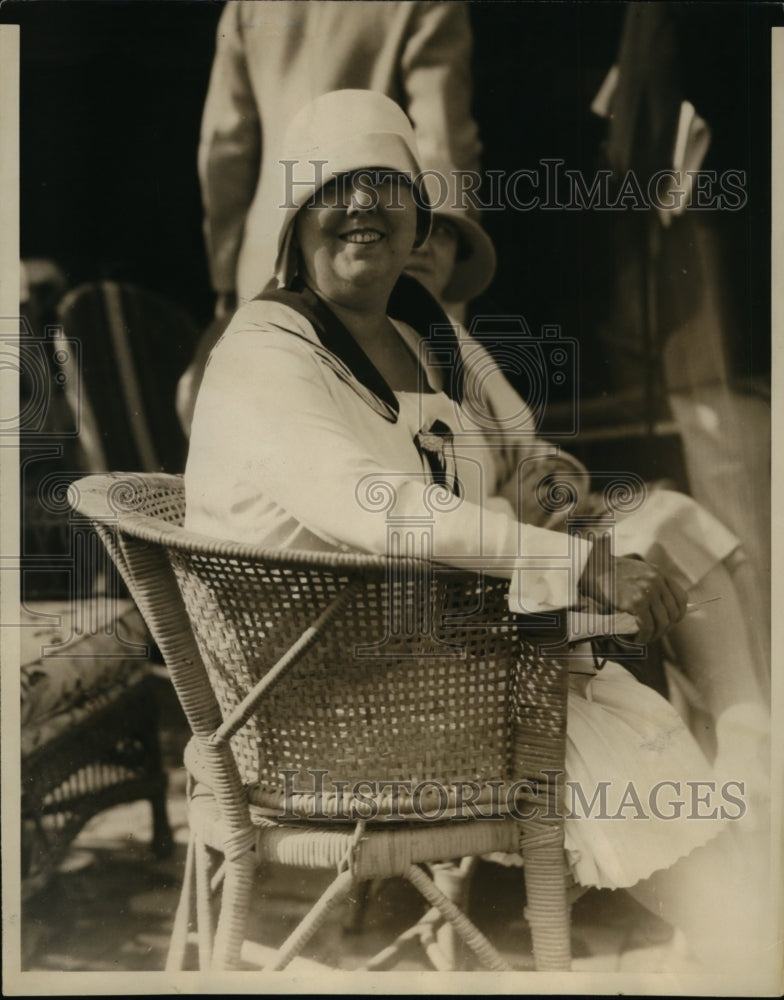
(362, 235)
(354, 242)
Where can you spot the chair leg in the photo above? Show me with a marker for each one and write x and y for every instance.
(179, 939)
(335, 893)
(156, 777)
(204, 905)
(453, 880)
(421, 931)
(235, 903)
(547, 911)
(472, 936)
(162, 838)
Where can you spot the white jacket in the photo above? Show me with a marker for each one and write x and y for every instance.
(289, 450)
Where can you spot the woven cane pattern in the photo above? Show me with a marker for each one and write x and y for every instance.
(536, 693)
(359, 668)
(363, 711)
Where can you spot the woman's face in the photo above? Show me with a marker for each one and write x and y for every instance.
(355, 237)
(433, 263)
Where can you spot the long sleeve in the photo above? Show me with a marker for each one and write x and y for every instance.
(277, 424)
(278, 440)
(436, 77)
(229, 155)
(523, 458)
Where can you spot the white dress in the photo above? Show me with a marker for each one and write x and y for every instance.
(296, 445)
(630, 759)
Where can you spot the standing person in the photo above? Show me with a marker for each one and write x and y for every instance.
(271, 59)
(683, 295)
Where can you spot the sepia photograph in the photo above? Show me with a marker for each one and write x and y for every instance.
(388, 465)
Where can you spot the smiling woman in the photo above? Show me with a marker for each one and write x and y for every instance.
(354, 240)
(343, 381)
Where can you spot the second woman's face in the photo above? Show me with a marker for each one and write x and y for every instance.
(355, 237)
(434, 262)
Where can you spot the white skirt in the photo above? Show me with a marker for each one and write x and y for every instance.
(639, 793)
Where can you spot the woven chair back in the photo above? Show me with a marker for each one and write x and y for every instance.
(423, 676)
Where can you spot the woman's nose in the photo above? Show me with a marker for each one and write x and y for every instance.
(362, 199)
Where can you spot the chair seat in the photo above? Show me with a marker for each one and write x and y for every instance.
(385, 849)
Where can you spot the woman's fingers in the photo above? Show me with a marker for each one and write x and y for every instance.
(661, 613)
(639, 588)
(646, 629)
(658, 604)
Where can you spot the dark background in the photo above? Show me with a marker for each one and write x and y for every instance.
(111, 100)
(112, 94)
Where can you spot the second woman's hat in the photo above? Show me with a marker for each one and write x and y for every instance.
(476, 261)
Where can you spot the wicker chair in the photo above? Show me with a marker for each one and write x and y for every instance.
(104, 753)
(98, 371)
(359, 668)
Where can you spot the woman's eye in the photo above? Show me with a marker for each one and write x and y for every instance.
(444, 229)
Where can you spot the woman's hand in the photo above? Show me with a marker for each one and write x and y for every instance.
(551, 489)
(634, 586)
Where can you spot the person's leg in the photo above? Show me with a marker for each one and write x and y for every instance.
(726, 439)
(713, 646)
(754, 602)
(719, 896)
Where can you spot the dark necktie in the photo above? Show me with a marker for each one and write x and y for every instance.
(436, 444)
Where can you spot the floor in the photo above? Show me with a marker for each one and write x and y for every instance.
(111, 905)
